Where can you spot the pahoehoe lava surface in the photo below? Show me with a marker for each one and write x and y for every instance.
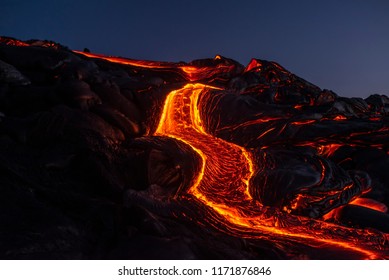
(105, 157)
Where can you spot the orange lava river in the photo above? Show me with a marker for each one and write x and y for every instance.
(224, 180)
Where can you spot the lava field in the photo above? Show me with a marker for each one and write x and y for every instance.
(106, 157)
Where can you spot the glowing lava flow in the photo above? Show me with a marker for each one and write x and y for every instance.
(191, 73)
(223, 185)
(223, 182)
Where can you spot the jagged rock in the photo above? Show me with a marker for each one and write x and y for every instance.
(128, 127)
(79, 94)
(9, 74)
(379, 103)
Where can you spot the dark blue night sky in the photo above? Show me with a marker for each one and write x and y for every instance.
(339, 45)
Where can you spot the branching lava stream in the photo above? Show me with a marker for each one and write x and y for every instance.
(223, 185)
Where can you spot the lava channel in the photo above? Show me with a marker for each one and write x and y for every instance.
(223, 185)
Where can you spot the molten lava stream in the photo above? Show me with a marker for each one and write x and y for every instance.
(223, 181)
(223, 185)
(191, 73)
